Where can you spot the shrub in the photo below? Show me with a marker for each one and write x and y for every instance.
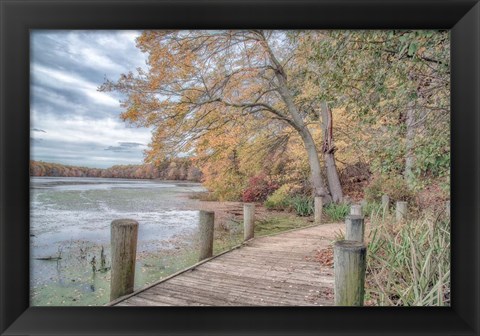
(228, 188)
(337, 212)
(302, 205)
(374, 190)
(279, 200)
(395, 187)
(259, 188)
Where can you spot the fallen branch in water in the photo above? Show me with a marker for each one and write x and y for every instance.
(48, 258)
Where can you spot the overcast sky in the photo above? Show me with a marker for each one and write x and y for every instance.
(71, 122)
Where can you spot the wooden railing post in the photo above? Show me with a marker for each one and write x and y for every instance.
(206, 226)
(355, 228)
(248, 221)
(349, 259)
(385, 203)
(123, 235)
(318, 209)
(401, 211)
(356, 209)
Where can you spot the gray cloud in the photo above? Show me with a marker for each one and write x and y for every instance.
(130, 144)
(35, 140)
(118, 149)
(79, 122)
(124, 147)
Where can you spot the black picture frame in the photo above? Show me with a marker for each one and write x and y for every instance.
(18, 17)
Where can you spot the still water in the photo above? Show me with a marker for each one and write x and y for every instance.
(70, 226)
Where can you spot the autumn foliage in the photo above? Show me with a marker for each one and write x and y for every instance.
(259, 188)
(296, 107)
(178, 169)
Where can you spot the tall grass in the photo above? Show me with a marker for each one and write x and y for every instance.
(337, 212)
(408, 263)
(303, 206)
(371, 208)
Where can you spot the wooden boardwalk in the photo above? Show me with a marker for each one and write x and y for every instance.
(277, 270)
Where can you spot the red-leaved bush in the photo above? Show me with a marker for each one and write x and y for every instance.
(259, 188)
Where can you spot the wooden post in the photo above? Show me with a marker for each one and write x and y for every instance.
(349, 259)
(401, 211)
(356, 210)
(248, 221)
(447, 208)
(318, 208)
(123, 235)
(206, 227)
(385, 203)
(355, 229)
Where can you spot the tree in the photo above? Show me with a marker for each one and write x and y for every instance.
(395, 87)
(328, 150)
(201, 82)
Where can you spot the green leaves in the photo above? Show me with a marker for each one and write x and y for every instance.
(412, 48)
(378, 75)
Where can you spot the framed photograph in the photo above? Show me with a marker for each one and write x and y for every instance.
(118, 109)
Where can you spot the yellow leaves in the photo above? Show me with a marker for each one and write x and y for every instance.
(210, 92)
(309, 91)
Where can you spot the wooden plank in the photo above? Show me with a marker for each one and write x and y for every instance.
(246, 284)
(264, 253)
(287, 267)
(170, 300)
(265, 271)
(141, 301)
(208, 297)
(226, 296)
(259, 252)
(285, 249)
(276, 292)
(272, 259)
(216, 278)
(272, 270)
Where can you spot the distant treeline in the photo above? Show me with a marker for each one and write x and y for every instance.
(176, 169)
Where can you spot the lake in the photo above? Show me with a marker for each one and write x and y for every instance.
(70, 226)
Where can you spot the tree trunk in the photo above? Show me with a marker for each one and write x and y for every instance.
(329, 156)
(309, 143)
(319, 188)
(315, 169)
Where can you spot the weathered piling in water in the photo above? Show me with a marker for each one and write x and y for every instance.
(318, 209)
(356, 209)
(123, 235)
(349, 259)
(248, 221)
(401, 211)
(385, 203)
(355, 229)
(206, 226)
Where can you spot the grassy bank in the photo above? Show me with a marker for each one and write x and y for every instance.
(408, 263)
